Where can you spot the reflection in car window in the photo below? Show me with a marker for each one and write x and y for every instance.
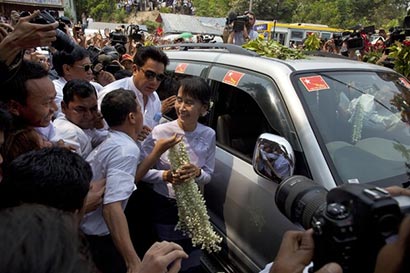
(362, 120)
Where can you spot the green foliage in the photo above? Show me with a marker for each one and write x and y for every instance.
(119, 16)
(165, 9)
(151, 25)
(400, 52)
(273, 49)
(312, 42)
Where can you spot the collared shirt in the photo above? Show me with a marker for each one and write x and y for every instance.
(59, 85)
(149, 111)
(200, 145)
(116, 159)
(82, 140)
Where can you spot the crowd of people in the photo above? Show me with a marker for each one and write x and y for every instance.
(176, 6)
(86, 185)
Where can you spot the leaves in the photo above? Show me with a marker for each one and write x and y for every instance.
(312, 42)
(273, 49)
(400, 53)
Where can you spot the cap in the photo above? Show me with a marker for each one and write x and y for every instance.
(126, 57)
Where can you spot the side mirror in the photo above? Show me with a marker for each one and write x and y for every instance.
(273, 157)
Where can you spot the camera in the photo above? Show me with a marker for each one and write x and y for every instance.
(63, 41)
(238, 21)
(135, 33)
(117, 37)
(351, 222)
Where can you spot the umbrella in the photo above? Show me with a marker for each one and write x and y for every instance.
(186, 35)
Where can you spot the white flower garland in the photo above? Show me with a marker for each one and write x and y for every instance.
(193, 217)
(358, 117)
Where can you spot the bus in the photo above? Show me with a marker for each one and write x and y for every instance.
(293, 34)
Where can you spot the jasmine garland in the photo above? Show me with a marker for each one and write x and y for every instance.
(193, 217)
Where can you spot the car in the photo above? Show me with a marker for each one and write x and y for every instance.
(332, 120)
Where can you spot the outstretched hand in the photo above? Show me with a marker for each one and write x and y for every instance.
(163, 257)
(163, 144)
(28, 35)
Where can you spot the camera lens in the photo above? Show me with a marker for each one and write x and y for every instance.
(300, 199)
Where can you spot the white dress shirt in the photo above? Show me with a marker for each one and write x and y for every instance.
(200, 145)
(116, 159)
(149, 111)
(82, 140)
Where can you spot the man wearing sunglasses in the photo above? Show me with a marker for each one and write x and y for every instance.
(148, 72)
(74, 65)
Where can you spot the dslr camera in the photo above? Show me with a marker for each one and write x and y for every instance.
(63, 41)
(351, 222)
(238, 21)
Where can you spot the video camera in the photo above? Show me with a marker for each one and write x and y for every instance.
(399, 33)
(351, 223)
(135, 33)
(238, 21)
(63, 41)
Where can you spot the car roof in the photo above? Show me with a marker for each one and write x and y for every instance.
(243, 58)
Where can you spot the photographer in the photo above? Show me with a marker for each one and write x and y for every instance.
(296, 252)
(23, 35)
(238, 36)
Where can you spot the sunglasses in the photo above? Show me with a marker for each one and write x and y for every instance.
(86, 67)
(150, 75)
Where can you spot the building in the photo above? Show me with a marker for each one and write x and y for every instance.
(56, 6)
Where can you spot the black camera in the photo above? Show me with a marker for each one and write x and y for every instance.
(135, 33)
(63, 41)
(117, 37)
(351, 222)
(354, 40)
(238, 21)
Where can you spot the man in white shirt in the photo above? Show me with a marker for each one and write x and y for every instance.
(116, 159)
(77, 126)
(69, 66)
(149, 67)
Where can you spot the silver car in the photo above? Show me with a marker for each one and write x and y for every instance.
(332, 120)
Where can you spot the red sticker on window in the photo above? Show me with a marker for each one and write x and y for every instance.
(405, 82)
(232, 77)
(314, 83)
(181, 67)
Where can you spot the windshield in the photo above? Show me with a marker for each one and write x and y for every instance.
(363, 120)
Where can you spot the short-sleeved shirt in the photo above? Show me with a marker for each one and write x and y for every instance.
(149, 111)
(116, 159)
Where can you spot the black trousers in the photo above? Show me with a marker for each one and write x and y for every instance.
(105, 255)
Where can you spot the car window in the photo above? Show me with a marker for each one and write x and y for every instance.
(237, 118)
(362, 121)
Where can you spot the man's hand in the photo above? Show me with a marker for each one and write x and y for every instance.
(95, 195)
(396, 191)
(144, 133)
(105, 78)
(167, 104)
(28, 35)
(163, 144)
(296, 252)
(163, 257)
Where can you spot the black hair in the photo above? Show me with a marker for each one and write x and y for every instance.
(116, 106)
(196, 88)
(42, 239)
(80, 88)
(167, 88)
(15, 88)
(53, 177)
(150, 52)
(63, 57)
